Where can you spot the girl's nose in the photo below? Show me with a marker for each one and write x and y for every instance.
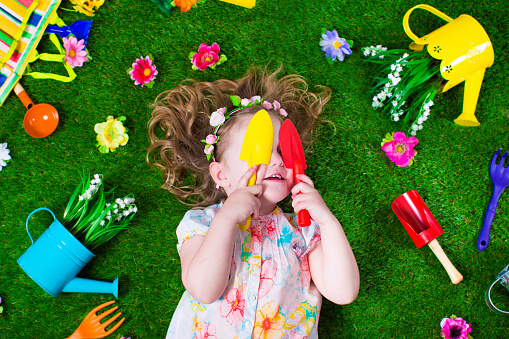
(276, 159)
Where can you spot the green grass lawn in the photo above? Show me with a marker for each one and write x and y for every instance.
(404, 291)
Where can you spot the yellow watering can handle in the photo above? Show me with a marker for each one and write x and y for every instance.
(433, 10)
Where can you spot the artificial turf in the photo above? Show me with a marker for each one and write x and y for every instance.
(404, 291)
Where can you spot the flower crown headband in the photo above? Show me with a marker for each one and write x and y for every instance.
(219, 117)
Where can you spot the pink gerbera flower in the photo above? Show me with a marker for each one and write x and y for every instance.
(399, 148)
(143, 71)
(75, 53)
(454, 328)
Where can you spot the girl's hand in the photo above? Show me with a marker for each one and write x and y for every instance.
(244, 201)
(306, 197)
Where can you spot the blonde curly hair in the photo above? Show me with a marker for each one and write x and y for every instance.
(181, 119)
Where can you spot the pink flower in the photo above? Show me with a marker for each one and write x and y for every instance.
(267, 105)
(75, 53)
(399, 148)
(210, 139)
(276, 105)
(245, 102)
(255, 98)
(268, 272)
(208, 331)
(209, 149)
(143, 71)
(206, 56)
(283, 112)
(217, 118)
(232, 307)
(454, 328)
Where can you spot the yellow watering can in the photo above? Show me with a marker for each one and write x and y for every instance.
(465, 50)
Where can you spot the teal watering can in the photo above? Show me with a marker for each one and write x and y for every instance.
(55, 259)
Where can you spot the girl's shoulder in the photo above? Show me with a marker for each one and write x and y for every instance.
(208, 212)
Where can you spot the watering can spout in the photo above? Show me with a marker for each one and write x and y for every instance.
(81, 285)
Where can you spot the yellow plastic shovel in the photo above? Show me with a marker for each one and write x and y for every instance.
(257, 147)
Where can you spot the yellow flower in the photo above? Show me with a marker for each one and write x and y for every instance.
(111, 134)
(303, 316)
(269, 322)
(87, 7)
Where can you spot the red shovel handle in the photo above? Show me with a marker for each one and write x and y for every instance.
(304, 218)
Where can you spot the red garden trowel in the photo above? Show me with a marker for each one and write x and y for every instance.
(423, 228)
(293, 157)
(80, 29)
(257, 146)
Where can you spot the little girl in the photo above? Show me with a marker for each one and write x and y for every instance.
(267, 281)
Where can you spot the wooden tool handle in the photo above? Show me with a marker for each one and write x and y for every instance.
(455, 276)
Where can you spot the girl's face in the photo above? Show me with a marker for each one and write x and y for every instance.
(276, 180)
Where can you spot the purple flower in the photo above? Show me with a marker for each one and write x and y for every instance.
(334, 46)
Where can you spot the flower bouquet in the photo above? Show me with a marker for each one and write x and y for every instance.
(406, 84)
(91, 218)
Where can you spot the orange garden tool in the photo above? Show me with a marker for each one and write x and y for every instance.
(423, 228)
(91, 327)
(257, 146)
(293, 157)
(40, 120)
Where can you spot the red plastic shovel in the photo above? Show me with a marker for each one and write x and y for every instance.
(293, 157)
(423, 228)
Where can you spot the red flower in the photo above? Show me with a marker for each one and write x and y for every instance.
(207, 56)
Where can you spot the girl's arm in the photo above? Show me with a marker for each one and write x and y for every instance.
(331, 261)
(206, 259)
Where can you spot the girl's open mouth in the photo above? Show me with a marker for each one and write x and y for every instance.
(277, 177)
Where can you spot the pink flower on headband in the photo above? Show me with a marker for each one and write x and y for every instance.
(209, 150)
(207, 56)
(283, 112)
(217, 118)
(210, 139)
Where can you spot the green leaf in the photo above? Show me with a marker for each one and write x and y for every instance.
(235, 100)
(330, 61)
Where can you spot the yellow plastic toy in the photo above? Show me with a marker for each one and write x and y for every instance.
(243, 3)
(465, 50)
(257, 146)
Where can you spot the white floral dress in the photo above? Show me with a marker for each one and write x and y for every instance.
(270, 293)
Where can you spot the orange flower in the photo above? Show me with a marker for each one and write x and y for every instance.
(185, 5)
(269, 322)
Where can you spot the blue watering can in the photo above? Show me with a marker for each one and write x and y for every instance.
(55, 259)
(80, 29)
